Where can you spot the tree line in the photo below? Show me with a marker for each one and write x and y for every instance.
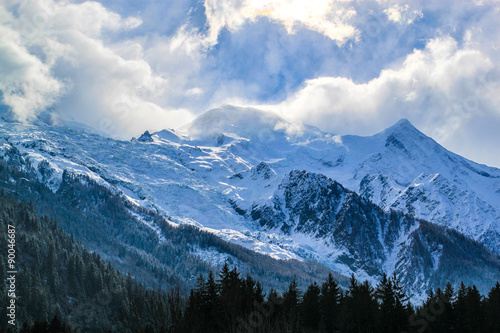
(231, 303)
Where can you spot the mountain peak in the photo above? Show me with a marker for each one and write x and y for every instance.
(403, 122)
(402, 125)
(403, 136)
(145, 137)
(404, 131)
(169, 135)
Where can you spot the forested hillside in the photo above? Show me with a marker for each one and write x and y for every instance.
(58, 280)
(58, 277)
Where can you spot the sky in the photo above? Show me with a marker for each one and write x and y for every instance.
(347, 67)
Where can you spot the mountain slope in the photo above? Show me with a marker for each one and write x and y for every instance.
(414, 174)
(399, 168)
(56, 276)
(350, 233)
(140, 241)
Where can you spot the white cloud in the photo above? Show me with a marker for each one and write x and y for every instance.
(439, 89)
(25, 81)
(402, 14)
(63, 54)
(330, 18)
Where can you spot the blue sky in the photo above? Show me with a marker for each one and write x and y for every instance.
(347, 67)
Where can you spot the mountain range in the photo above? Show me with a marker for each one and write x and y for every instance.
(395, 202)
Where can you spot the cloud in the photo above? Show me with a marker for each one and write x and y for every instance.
(402, 14)
(26, 82)
(440, 89)
(330, 18)
(347, 66)
(64, 56)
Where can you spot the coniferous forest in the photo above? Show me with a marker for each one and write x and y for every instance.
(58, 281)
(65, 288)
(230, 303)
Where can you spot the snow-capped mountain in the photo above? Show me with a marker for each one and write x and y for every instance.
(228, 172)
(399, 168)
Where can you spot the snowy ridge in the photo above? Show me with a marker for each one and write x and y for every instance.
(348, 233)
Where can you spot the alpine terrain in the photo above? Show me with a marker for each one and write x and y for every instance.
(259, 185)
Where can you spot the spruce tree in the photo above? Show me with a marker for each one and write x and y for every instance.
(448, 316)
(474, 310)
(360, 307)
(310, 309)
(291, 299)
(460, 309)
(493, 309)
(387, 300)
(330, 304)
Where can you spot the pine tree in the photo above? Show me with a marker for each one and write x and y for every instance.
(460, 308)
(330, 304)
(437, 308)
(387, 300)
(210, 304)
(493, 309)
(310, 309)
(402, 309)
(231, 298)
(175, 307)
(274, 311)
(448, 316)
(474, 310)
(360, 307)
(291, 299)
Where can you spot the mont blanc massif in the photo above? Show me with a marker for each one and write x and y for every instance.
(275, 199)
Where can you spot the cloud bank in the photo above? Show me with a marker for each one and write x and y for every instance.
(345, 66)
(330, 18)
(65, 57)
(441, 80)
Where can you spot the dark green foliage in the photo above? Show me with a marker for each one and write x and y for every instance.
(310, 310)
(229, 305)
(492, 311)
(329, 304)
(464, 311)
(393, 312)
(58, 278)
(291, 299)
(359, 308)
